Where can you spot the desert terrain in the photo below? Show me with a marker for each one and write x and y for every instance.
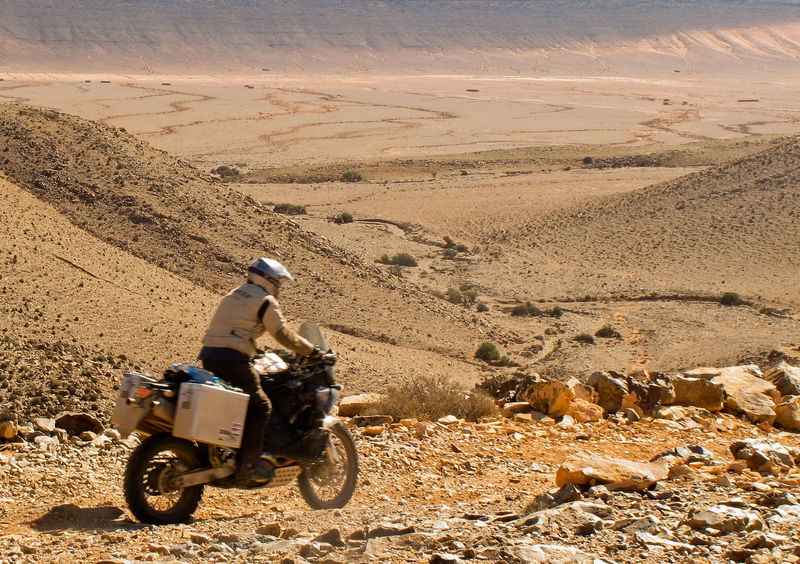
(625, 171)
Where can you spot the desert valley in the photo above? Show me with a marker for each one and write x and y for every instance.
(607, 194)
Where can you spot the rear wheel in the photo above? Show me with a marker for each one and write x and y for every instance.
(330, 481)
(149, 475)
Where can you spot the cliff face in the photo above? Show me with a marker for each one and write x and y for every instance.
(395, 35)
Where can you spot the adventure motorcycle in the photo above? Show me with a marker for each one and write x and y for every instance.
(193, 423)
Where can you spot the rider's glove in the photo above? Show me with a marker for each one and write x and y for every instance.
(322, 357)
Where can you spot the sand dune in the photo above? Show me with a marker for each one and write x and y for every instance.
(354, 36)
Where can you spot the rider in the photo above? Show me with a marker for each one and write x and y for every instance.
(245, 314)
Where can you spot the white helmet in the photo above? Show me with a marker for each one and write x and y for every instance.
(270, 270)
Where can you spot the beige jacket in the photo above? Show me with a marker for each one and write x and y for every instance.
(244, 315)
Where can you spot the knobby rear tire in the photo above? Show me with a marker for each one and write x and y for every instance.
(311, 484)
(149, 466)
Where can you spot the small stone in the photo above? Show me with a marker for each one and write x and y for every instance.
(440, 558)
(724, 519)
(8, 430)
(390, 530)
(44, 424)
(272, 529)
(513, 407)
(77, 423)
(332, 537)
(88, 436)
(371, 420)
(359, 404)
(373, 431)
(615, 473)
(549, 554)
(762, 455)
(566, 422)
(787, 413)
(199, 538)
(448, 420)
(584, 411)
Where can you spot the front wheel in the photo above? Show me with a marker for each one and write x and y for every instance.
(330, 481)
(149, 475)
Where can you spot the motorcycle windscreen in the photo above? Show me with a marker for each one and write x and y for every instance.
(313, 333)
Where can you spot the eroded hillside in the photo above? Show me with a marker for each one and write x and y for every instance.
(126, 250)
(733, 227)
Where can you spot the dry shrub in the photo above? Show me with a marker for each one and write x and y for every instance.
(430, 397)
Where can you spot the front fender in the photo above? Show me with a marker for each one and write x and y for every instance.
(329, 421)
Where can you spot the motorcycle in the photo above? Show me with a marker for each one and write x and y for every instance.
(193, 421)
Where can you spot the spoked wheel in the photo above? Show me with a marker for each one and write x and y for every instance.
(329, 482)
(151, 470)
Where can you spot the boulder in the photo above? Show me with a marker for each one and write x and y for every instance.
(584, 411)
(786, 379)
(511, 408)
(767, 457)
(550, 397)
(359, 404)
(724, 519)
(77, 423)
(699, 392)
(614, 473)
(737, 378)
(648, 396)
(582, 391)
(611, 388)
(757, 407)
(787, 413)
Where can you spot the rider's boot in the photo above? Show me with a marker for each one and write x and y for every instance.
(255, 470)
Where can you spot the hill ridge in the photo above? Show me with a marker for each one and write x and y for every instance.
(161, 209)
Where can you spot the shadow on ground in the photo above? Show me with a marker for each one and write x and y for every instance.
(70, 516)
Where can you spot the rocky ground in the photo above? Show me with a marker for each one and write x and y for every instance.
(680, 484)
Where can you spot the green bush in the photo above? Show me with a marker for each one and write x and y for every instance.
(470, 296)
(343, 217)
(448, 242)
(400, 259)
(352, 176)
(396, 270)
(488, 352)
(526, 309)
(730, 299)
(290, 209)
(462, 248)
(404, 259)
(584, 338)
(430, 397)
(449, 253)
(225, 171)
(454, 296)
(608, 332)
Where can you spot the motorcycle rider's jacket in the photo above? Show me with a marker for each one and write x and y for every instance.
(244, 315)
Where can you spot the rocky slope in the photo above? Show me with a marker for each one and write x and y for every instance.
(440, 492)
(733, 227)
(117, 249)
